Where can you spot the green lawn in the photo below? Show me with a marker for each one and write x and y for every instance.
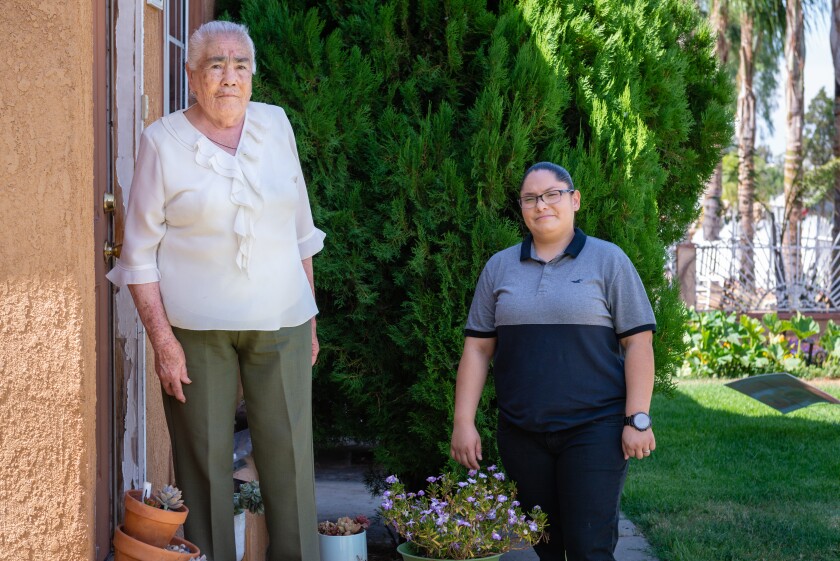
(732, 479)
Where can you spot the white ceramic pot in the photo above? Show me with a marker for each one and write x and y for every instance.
(343, 548)
(239, 535)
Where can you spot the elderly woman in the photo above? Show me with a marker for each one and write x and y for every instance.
(217, 255)
(566, 320)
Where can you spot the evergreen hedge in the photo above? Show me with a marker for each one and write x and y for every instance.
(415, 121)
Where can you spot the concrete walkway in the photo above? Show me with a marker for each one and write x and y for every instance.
(340, 491)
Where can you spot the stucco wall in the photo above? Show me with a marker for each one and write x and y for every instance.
(47, 341)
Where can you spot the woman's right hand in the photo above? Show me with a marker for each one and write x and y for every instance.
(170, 362)
(171, 368)
(466, 445)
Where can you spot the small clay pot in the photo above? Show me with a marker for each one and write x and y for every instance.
(127, 548)
(148, 524)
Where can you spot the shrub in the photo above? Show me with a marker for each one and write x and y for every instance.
(414, 123)
(722, 345)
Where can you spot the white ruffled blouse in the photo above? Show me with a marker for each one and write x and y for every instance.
(224, 235)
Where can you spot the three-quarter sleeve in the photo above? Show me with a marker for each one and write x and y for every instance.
(145, 222)
(310, 239)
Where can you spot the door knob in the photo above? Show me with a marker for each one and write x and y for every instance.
(109, 202)
(111, 250)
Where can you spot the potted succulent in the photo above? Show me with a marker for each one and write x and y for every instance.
(477, 518)
(343, 540)
(249, 499)
(127, 548)
(154, 520)
(238, 527)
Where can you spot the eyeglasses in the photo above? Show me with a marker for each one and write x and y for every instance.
(549, 198)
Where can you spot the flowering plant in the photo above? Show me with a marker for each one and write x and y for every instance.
(344, 526)
(462, 519)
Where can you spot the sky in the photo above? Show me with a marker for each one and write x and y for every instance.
(819, 72)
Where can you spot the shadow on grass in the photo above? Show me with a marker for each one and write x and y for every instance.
(732, 479)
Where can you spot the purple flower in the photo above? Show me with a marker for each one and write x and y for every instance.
(491, 515)
(492, 468)
(386, 494)
(495, 535)
(500, 476)
(391, 479)
(532, 525)
(421, 493)
(387, 504)
(515, 503)
(408, 536)
(463, 523)
(482, 476)
(431, 479)
(470, 499)
(537, 507)
(462, 484)
(472, 472)
(501, 498)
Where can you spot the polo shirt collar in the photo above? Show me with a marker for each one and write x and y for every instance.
(573, 249)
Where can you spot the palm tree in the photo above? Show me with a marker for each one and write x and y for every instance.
(719, 15)
(795, 101)
(758, 19)
(835, 54)
(746, 142)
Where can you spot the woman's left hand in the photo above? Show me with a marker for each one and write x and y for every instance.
(637, 444)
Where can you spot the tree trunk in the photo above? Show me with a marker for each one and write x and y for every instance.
(795, 101)
(746, 148)
(835, 231)
(714, 189)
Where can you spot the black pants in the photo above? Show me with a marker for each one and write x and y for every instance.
(576, 476)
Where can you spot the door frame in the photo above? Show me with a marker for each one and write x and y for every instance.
(104, 521)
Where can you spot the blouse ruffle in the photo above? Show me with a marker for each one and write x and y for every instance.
(245, 185)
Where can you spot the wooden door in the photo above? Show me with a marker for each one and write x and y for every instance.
(102, 100)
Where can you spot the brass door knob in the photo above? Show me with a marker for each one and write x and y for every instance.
(111, 250)
(109, 203)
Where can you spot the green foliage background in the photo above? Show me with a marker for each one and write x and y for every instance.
(415, 121)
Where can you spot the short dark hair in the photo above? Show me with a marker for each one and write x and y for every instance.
(560, 173)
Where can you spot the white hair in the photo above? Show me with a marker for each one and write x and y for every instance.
(212, 30)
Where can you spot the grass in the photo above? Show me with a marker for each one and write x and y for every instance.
(733, 480)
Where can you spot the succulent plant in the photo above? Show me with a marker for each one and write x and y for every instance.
(344, 526)
(250, 497)
(169, 498)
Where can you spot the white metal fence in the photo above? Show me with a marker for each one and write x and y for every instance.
(763, 276)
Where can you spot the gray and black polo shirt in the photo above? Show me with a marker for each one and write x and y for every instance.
(558, 361)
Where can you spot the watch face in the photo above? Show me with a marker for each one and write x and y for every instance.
(641, 421)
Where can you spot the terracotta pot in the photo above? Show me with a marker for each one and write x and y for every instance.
(127, 548)
(148, 524)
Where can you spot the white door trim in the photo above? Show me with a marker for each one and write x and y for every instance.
(128, 330)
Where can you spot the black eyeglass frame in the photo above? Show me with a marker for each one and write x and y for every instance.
(540, 197)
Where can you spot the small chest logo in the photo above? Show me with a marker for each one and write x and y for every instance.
(578, 281)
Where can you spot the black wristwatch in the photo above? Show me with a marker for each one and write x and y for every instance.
(639, 421)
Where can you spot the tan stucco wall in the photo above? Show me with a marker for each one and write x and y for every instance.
(47, 341)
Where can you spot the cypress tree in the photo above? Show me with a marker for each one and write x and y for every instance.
(415, 121)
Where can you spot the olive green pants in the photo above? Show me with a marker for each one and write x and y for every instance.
(276, 373)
